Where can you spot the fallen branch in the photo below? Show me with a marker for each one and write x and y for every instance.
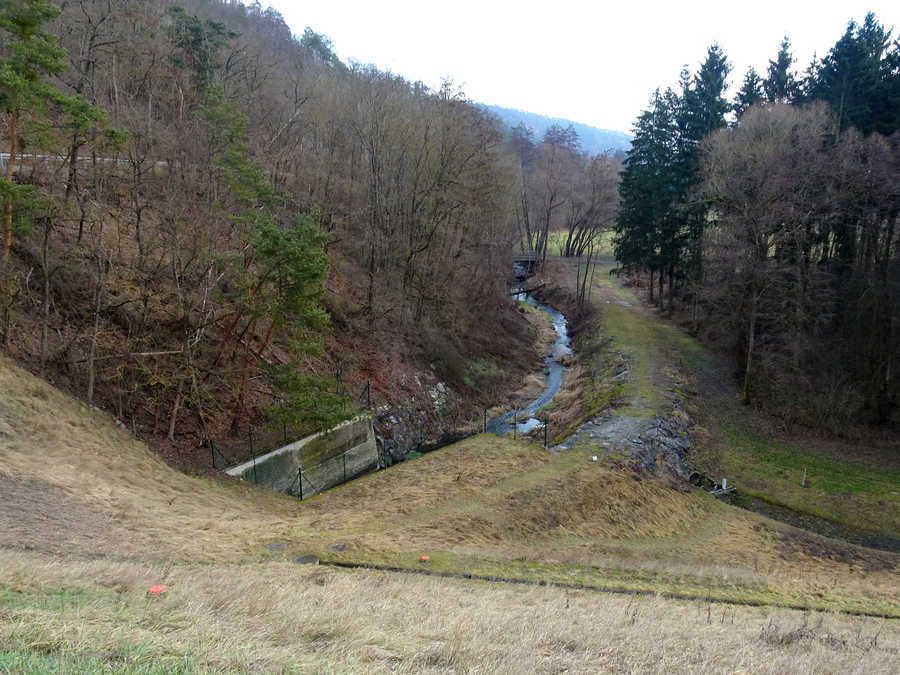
(529, 290)
(122, 356)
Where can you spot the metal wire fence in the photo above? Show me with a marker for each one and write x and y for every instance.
(263, 438)
(331, 472)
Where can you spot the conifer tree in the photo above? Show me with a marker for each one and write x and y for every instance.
(28, 55)
(750, 93)
(780, 84)
(860, 78)
(646, 189)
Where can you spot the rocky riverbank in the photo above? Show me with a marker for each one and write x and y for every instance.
(659, 444)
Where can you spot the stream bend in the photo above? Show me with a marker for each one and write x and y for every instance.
(525, 419)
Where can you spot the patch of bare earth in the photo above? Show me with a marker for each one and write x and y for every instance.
(36, 515)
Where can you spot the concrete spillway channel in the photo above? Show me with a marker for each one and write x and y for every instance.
(315, 463)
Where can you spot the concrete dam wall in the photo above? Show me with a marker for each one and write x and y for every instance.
(317, 462)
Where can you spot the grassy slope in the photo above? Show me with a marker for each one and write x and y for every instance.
(93, 616)
(849, 483)
(90, 519)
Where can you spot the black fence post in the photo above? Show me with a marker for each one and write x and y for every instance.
(485, 420)
(515, 422)
(212, 453)
(300, 482)
(250, 438)
(546, 425)
(344, 457)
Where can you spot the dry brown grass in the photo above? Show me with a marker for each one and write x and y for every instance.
(79, 493)
(271, 616)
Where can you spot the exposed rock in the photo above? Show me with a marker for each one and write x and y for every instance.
(658, 445)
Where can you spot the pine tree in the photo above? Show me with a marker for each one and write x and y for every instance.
(703, 111)
(750, 93)
(659, 227)
(780, 84)
(860, 78)
(278, 282)
(646, 190)
(27, 56)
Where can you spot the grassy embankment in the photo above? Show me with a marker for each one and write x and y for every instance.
(853, 484)
(89, 520)
(93, 616)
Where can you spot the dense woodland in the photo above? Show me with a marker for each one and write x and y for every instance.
(770, 221)
(193, 195)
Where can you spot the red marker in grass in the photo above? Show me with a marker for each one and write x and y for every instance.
(157, 590)
(424, 558)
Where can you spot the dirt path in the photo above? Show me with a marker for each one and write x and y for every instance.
(679, 395)
(651, 428)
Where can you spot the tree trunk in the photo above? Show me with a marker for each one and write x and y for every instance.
(45, 306)
(245, 375)
(72, 180)
(671, 289)
(8, 205)
(662, 278)
(174, 417)
(751, 335)
(370, 292)
(98, 303)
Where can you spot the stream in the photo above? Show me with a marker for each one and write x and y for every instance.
(524, 419)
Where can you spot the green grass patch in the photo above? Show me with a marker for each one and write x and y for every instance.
(604, 247)
(29, 661)
(849, 492)
(58, 630)
(614, 578)
(776, 459)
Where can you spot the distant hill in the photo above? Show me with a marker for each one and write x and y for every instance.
(593, 140)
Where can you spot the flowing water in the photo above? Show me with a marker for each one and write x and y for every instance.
(524, 419)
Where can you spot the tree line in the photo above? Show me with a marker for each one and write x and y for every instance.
(772, 221)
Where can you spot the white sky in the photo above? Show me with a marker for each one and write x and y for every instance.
(593, 62)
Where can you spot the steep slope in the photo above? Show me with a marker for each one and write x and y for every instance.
(90, 519)
(76, 483)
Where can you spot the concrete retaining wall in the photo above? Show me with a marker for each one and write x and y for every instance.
(326, 459)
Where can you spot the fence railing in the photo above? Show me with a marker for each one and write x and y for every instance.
(263, 439)
(329, 473)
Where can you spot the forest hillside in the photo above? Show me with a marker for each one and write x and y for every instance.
(767, 221)
(214, 228)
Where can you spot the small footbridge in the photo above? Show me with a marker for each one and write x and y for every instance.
(524, 263)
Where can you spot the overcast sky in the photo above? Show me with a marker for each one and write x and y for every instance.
(592, 62)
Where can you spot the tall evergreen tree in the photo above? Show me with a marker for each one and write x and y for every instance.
(750, 93)
(780, 84)
(703, 111)
(860, 78)
(646, 190)
(659, 228)
(28, 55)
(710, 84)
